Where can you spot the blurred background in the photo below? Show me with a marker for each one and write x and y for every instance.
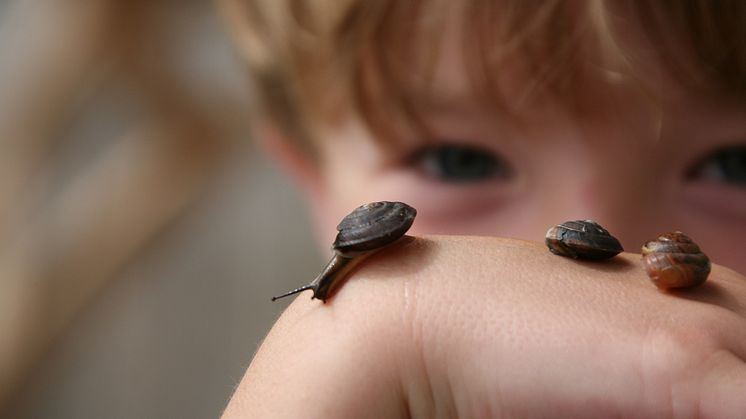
(141, 235)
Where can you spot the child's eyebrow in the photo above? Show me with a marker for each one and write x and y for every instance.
(439, 102)
(446, 107)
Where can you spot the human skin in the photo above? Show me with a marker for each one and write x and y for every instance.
(454, 326)
(624, 155)
(476, 327)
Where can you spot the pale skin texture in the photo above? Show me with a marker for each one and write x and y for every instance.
(475, 327)
(448, 326)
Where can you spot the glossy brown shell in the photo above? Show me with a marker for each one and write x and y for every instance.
(372, 226)
(582, 239)
(675, 261)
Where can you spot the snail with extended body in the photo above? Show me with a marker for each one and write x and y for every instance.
(675, 261)
(582, 239)
(364, 231)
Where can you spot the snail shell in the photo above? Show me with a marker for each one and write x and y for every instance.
(582, 239)
(675, 261)
(365, 230)
(372, 226)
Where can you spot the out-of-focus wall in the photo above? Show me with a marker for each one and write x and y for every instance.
(141, 235)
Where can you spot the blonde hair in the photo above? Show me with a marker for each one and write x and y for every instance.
(312, 59)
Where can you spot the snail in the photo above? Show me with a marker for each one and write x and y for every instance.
(361, 233)
(582, 239)
(675, 261)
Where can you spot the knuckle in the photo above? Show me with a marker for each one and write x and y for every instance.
(675, 349)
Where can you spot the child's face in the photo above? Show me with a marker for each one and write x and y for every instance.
(639, 166)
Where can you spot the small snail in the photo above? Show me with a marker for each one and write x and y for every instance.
(675, 261)
(582, 239)
(364, 231)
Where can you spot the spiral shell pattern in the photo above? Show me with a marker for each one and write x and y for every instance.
(675, 261)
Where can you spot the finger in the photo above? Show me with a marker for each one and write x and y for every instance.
(723, 389)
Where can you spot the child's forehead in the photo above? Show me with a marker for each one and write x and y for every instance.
(465, 72)
(385, 59)
(559, 54)
(462, 68)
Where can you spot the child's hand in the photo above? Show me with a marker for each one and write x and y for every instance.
(484, 327)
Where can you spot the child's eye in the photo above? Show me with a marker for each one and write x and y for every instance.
(460, 164)
(727, 165)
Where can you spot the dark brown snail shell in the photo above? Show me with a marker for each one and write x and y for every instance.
(372, 226)
(365, 230)
(675, 261)
(582, 239)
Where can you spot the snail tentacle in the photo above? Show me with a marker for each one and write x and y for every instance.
(361, 233)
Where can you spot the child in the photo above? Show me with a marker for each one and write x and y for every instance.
(503, 118)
